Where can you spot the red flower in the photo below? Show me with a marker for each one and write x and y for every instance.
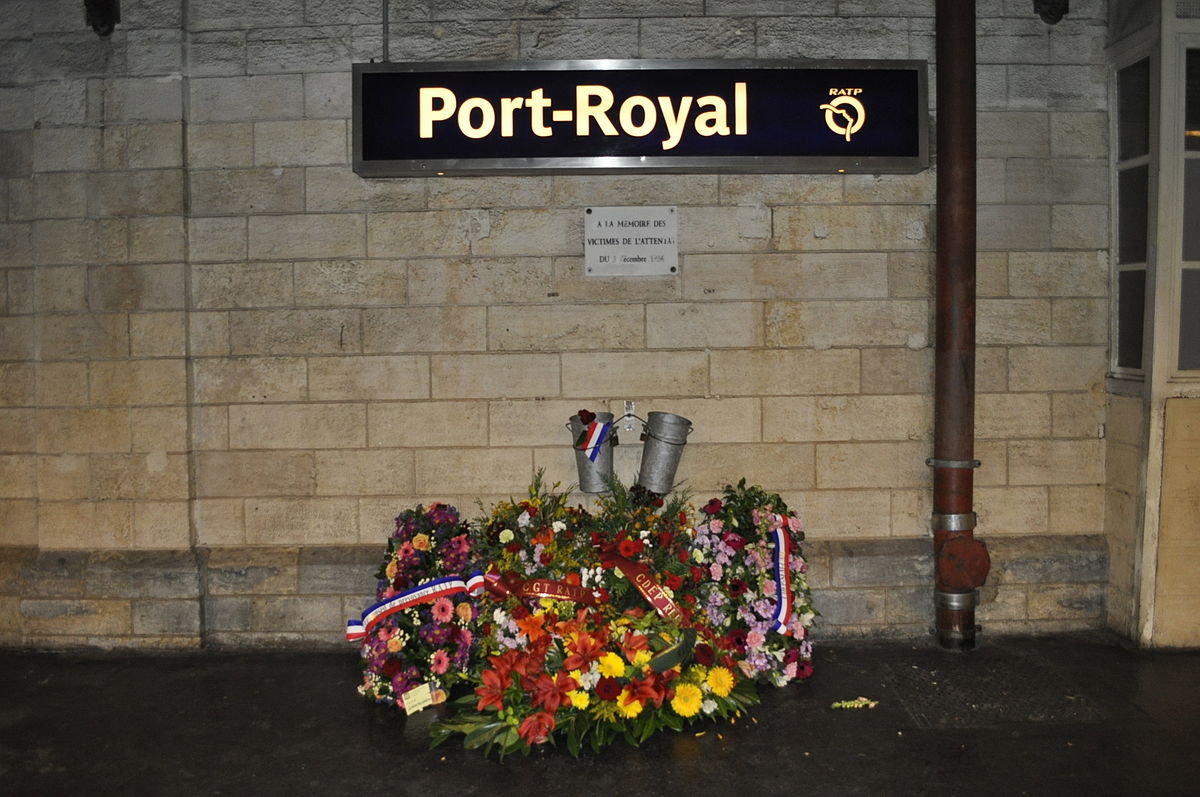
(737, 640)
(697, 574)
(684, 557)
(586, 417)
(737, 588)
(536, 728)
(546, 558)
(492, 691)
(513, 547)
(664, 538)
(734, 541)
(603, 595)
(608, 688)
(583, 652)
(630, 548)
(547, 692)
(704, 654)
(674, 581)
(572, 579)
(632, 643)
(804, 669)
(712, 507)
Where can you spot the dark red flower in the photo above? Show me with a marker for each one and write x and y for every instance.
(664, 538)
(603, 595)
(804, 669)
(674, 581)
(734, 540)
(712, 507)
(545, 558)
(704, 655)
(608, 688)
(536, 728)
(684, 557)
(492, 691)
(630, 548)
(737, 640)
(513, 547)
(737, 588)
(586, 417)
(392, 667)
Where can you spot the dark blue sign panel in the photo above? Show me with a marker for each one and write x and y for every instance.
(663, 116)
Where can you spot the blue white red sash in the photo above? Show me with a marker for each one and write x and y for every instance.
(595, 436)
(357, 630)
(783, 580)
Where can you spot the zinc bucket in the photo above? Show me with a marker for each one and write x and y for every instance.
(593, 476)
(665, 436)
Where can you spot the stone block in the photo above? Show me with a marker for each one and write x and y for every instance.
(234, 99)
(1034, 368)
(572, 284)
(1079, 321)
(215, 239)
(882, 563)
(510, 280)
(897, 371)
(352, 283)
(17, 386)
(60, 289)
(1013, 134)
(910, 275)
(708, 467)
(149, 287)
(1012, 510)
(667, 373)
(301, 521)
(60, 102)
(252, 571)
(850, 606)
(71, 431)
(1014, 321)
(17, 154)
(634, 189)
(1079, 227)
(16, 108)
(161, 525)
(159, 617)
(723, 229)
(155, 52)
(368, 378)
(158, 428)
(714, 419)
(153, 476)
(697, 37)
(542, 231)
(371, 472)
(309, 236)
(272, 50)
(775, 189)
(509, 423)
(1076, 510)
(708, 325)
(218, 521)
(143, 99)
(783, 372)
(1052, 274)
(425, 329)
(219, 146)
(1005, 415)
(246, 191)
(124, 382)
(562, 327)
(52, 617)
(307, 142)
(224, 474)
(325, 95)
(150, 575)
(1056, 462)
(465, 470)
(60, 195)
(911, 511)
(909, 605)
(822, 324)
(157, 240)
(1077, 415)
(342, 570)
(227, 613)
(62, 384)
(297, 426)
(495, 375)
(1078, 134)
(432, 424)
(1075, 602)
(17, 338)
(991, 369)
(218, 381)
(578, 38)
(845, 465)
(48, 574)
(241, 285)
(804, 37)
(1008, 227)
(79, 241)
(336, 189)
(435, 41)
(296, 613)
(1125, 419)
(286, 332)
(490, 192)
(208, 335)
(62, 149)
(157, 334)
(839, 418)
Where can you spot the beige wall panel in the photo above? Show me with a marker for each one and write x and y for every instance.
(834, 514)
(839, 418)
(368, 378)
(301, 521)
(867, 465)
(1056, 462)
(297, 426)
(482, 280)
(229, 474)
(1013, 510)
(86, 525)
(737, 325)
(351, 283)
(852, 227)
(425, 329)
(803, 275)
(636, 373)
(480, 470)
(82, 431)
(708, 467)
(157, 334)
(1077, 510)
(161, 524)
(1005, 415)
(821, 324)
(371, 472)
(565, 327)
(249, 379)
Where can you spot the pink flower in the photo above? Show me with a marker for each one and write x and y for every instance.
(439, 662)
(790, 670)
(716, 571)
(795, 524)
(768, 587)
(443, 610)
(464, 636)
(755, 639)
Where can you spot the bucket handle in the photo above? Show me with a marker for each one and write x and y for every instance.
(647, 433)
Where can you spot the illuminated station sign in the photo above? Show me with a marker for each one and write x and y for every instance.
(413, 119)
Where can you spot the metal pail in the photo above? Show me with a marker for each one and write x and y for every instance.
(665, 436)
(593, 476)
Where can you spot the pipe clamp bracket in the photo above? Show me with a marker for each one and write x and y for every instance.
(934, 462)
(960, 521)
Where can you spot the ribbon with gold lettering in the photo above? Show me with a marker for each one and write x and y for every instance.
(501, 586)
(357, 630)
(644, 582)
(783, 580)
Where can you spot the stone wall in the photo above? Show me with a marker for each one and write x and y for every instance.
(215, 337)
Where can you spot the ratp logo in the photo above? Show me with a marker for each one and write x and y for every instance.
(844, 114)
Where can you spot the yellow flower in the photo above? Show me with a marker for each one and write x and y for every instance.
(687, 700)
(578, 699)
(612, 665)
(696, 674)
(642, 658)
(393, 567)
(421, 542)
(720, 681)
(629, 706)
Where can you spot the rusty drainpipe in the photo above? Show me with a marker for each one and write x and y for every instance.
(961, 561)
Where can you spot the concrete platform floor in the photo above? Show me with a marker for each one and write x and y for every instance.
(1075, 714)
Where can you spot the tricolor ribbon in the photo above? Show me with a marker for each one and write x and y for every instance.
(783, 580)
(357, 630)
(594, 437)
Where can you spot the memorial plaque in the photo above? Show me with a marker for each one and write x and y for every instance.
(630, 241)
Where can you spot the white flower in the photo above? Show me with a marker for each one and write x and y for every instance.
(558, 526)
(506, 536)
(698, 555)
(523, 521)
(499, 617)
(708, 706)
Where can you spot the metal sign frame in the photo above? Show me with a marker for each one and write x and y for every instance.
(608, 164)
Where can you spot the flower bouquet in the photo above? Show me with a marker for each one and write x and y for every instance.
(418, 639)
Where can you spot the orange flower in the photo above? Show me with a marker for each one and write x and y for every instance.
(536, 728)
(532, 626)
